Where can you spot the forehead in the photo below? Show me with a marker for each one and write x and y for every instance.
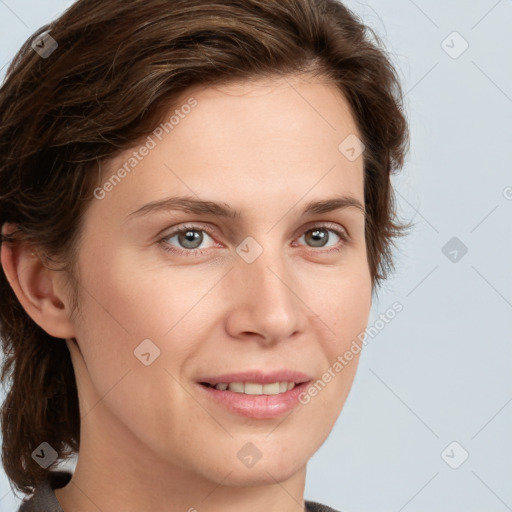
(273, 138)
(291, 99)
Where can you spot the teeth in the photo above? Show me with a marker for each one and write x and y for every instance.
(237, 387)
(251, 388)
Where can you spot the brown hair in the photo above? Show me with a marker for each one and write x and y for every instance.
(117, 68)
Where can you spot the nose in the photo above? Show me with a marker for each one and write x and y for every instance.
(263, 304)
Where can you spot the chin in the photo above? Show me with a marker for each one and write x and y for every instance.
(263, 473)
(273, 466)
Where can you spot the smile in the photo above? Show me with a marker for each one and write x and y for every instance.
(253, 388)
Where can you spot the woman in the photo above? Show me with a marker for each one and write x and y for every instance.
(196, 210)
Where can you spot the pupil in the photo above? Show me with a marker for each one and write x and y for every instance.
(190, 239)
(319, 237)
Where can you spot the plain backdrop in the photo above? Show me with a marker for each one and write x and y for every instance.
(427, 425)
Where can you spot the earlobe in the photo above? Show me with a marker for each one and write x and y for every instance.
(36, 286)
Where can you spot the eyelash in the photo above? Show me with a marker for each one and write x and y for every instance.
(198, 252)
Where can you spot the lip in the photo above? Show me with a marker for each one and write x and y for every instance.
(256, 406)
(258, 377)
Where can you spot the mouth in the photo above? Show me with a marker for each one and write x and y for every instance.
(252, 399)
(253, 388)
(257, 377)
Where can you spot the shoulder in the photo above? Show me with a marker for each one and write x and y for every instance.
(313, 506)
(43, 499)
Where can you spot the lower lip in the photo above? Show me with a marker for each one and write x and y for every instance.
(257, 406)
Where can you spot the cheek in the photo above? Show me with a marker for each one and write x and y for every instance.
(137, 302)
(349, 309)
(344, 302)
(117, 314)
(345, 309)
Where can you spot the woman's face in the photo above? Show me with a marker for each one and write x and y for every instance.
(173, 296)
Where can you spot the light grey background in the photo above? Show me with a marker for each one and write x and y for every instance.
(439, 372)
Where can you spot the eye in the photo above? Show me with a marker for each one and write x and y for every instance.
(321, 236)
(187, 240)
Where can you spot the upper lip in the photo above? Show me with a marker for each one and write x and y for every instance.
(258, 377)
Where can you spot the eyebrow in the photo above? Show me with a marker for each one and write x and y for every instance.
(192, 205)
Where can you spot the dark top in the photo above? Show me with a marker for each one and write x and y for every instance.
(44, 499)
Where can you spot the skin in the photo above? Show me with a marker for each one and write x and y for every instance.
(149, 439)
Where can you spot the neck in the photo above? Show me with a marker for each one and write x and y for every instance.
(109, 477)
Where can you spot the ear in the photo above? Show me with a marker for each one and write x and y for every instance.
(39, 289)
